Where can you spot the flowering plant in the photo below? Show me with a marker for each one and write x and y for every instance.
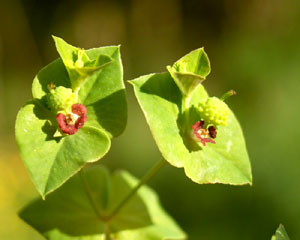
(191, 129)
(79, 105)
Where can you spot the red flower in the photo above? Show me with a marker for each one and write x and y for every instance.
(203, 134)
(71, 123)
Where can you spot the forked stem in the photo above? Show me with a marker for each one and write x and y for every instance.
(144, 179)
(107, 232)
(106, 219)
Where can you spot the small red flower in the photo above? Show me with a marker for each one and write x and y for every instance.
(72, 122)
(203, 134)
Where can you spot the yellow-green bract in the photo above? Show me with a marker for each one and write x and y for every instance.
(99, 84)
(171, 117)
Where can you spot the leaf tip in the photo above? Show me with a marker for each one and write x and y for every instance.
(21, 213)
(169, 68)
(55, 38)
(43, 194)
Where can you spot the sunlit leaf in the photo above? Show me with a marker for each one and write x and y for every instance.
(78, 64)
(51, 160)
(224, 162)
(190, 70)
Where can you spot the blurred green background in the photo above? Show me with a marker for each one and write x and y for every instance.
(253, 47)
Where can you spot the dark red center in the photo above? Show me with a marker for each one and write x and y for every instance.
(71, 123)
(203, 134)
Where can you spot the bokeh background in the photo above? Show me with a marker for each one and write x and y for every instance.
(253, 47)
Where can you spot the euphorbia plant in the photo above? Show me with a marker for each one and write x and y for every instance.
(191, 129)
(79, 105)
(46, 127)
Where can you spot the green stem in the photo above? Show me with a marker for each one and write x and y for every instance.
(89, 195)
(145, 179)
(228, 94)
(107, 232)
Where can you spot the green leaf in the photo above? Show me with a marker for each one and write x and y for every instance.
(280, 234)
(51, 161)
(190, 70)
(78, 64)
(224, 162)
(54, 160)
(103, 94)
(80, 210)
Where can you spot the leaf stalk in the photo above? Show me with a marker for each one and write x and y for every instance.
(143, 180)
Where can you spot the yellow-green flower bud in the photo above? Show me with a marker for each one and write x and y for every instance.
(214, 111)
(61, 99)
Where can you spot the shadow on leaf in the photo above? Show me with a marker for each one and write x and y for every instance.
(50, 125)
(157, 85)
(107, 112)
(162, 85)
(70, 211)
(55, 73)
(186, 129)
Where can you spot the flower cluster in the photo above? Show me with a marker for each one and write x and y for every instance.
(71, 115)
(213, 112)
(60, 98)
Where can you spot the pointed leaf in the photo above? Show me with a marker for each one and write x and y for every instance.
(78, 64)
(103, 94)
(280, 234)
(79, 210)
(224, 162)
(51, 161)
(190, 70)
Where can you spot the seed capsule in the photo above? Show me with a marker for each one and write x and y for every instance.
(61, 98)
(214, 111)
